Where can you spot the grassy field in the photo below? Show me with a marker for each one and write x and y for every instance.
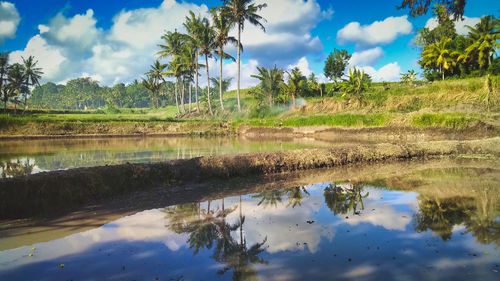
(454, 104)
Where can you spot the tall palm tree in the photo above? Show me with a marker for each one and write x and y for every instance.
(173, 48)
(207, 46)
(174, 69)
(32, 74)
(222, 24)
(193, 26)
(242, 11)
(16, 82)
(440, 56)
(270, 81)
(188, 56)
(4, 71)
(155, 73)
(485, 35)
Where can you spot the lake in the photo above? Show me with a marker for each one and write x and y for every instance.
(415, 220)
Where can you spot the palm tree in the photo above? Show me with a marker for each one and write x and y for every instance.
(439, 55)
(270, 81)
(173, 48)
(241, 11)
(295, 79)
(174, 69)
(16, 82)
(193, 26)
(313, 83)
(32, 74)
(207, 45)
(156, 77)
(4, 71)
(485, 35)
(222, 24)
(188, 57)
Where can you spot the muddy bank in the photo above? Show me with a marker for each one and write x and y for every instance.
(52, 191)
(372, 134)
(39, 130)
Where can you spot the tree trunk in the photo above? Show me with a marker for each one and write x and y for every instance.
(442, 72)
(196, 86)
(208, 86)
(190, 91)
(221, 51)
(175, 90)
(238, 77)
(293, 98)
(182, 97)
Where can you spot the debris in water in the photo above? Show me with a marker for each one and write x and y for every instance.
(61, 265)
(310, 222)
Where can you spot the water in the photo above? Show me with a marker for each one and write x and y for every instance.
(417, 221)
(23, 157)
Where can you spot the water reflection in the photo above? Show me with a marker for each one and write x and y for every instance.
(419, 226)
(34, 156)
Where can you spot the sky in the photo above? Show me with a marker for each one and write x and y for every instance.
(115, 41)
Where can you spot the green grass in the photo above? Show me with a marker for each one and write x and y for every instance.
(450, 120)
(342, 120)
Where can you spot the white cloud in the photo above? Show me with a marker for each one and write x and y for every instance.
(459, 25)
(366, 57)
(389, 72)
(125, 51)
(379, 32)
(303, 66)
(49, 57)
(288, 36)
(9, 20)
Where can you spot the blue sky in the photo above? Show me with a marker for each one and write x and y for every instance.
(115, 41)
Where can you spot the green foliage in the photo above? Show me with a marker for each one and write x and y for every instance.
(409, 77)
(336, 64)
(271, 81)
(356, 84)
(348, 120)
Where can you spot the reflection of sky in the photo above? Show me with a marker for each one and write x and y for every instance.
(380, 242)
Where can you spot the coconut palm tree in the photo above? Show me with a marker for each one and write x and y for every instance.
(16, 83)
(207, 46)
(4, 71)
(190, 63)
(173, 48)
(270, 81)
(193, 26)
(155, 73)
(440, 56)
(485, 35)
(222, 24)
(242, 11)
(32, 75)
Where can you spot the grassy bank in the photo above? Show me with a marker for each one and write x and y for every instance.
(52, 191)
(453, 104)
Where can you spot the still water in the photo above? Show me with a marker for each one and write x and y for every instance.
(428, 222)
(23, 157)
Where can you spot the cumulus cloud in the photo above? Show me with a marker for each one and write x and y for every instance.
(389, 72)
(366, 57)
(9, 20)
(379, 32)
(288, 36)
(460, 25)
(125, 51)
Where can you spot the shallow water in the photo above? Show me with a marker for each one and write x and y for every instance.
(23, 157)
(428, 223)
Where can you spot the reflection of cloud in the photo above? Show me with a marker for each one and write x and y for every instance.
(280, 224)
(360, 271)
(381, 213)
(143, 226)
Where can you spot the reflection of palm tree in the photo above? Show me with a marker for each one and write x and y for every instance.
(269, 197)
(440, 215)
(237, 256)
(345, 198)
(17, 168)
(296, 195)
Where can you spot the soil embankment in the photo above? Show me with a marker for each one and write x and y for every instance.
(60, 190)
